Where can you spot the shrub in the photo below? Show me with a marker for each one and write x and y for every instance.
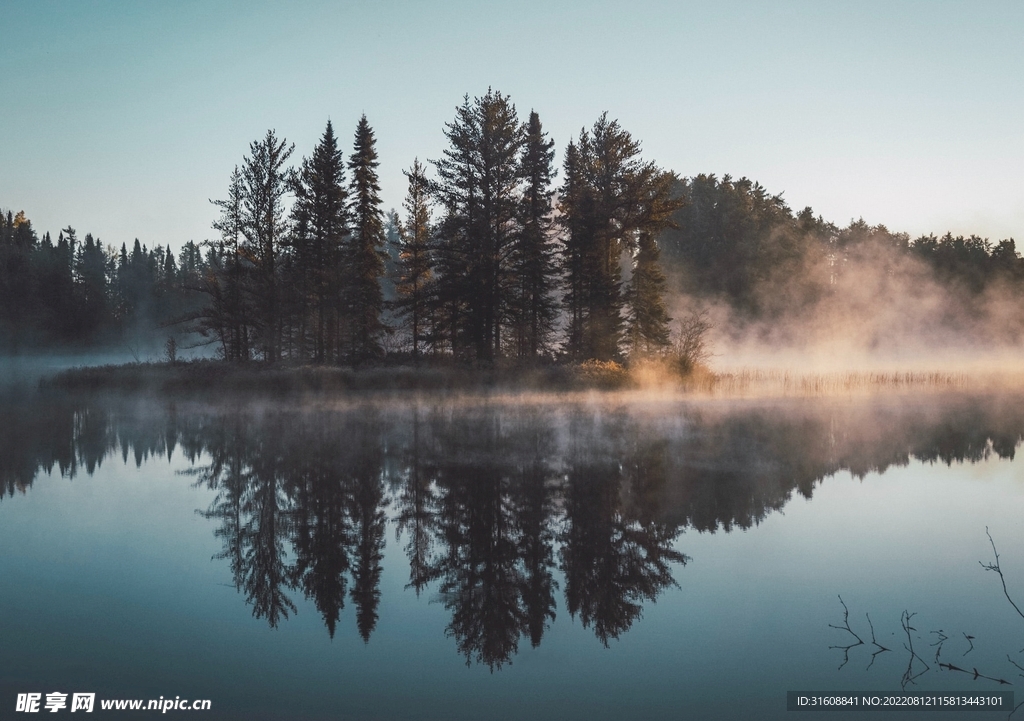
(691, 347)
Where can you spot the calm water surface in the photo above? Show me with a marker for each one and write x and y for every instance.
(531, 560)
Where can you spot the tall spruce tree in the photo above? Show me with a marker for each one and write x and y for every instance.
(414, 267)
(321, 222)
(533, 255)
(365, 257)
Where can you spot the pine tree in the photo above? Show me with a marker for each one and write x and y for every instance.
(574, 204)
(364, 264)
(320, 216)
(453, 253)
(60, 286)
(479, 183)
(533, 256)
(91, 271)
(265, 183)
(228, 315)
(169, 274)
(414, 268)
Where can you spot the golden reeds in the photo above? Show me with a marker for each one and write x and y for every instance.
(755, 381)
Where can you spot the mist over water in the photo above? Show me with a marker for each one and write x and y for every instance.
(445, 538)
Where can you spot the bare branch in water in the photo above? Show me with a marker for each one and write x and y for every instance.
(942, 639)
(970, 640)
(909, 676)
(975, 673)
(995, 567)
(1022, 676)
(874, 642)
(1014, 710)
(846, 627)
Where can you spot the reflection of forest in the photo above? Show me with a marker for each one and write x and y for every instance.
(489, 501)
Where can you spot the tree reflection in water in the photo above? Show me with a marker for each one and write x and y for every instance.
(615, 555)
(490, 502)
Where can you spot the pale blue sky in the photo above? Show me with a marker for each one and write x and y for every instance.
(124, 118)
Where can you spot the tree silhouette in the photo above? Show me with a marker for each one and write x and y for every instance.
(365, 256)
(534, 269)
(414, 261)
(321, 220)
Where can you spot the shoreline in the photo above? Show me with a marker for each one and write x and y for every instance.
(646, 381)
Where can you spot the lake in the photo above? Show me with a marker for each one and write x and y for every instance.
(583, 557)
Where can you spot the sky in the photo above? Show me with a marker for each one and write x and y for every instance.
(124, 119)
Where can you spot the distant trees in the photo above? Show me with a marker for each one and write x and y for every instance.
(18, 256)
(732, 237)
(788, 276)
(77, 293)
(91, 269)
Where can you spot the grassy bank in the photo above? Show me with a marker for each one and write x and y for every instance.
(218, 377)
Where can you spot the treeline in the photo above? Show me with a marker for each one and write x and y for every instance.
(490, 258)
(734, 242)
(76, 293)
(483, 265)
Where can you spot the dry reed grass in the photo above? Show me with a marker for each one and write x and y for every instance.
(778, 382)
